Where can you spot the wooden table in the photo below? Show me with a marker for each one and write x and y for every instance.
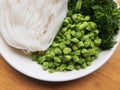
(106, 78)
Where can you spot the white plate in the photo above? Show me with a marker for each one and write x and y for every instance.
(25, 65)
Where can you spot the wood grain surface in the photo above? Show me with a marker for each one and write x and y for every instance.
(106, 78)
(118, 2)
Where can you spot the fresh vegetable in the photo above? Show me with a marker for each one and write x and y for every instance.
(75, 46)
(90, 25)
(104, 13)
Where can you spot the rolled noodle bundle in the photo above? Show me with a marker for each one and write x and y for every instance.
(31, 24)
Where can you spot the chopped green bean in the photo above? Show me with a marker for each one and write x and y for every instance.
(89, 63)
(77, 67)
(75, 47)
(51, 70)
(76, 53)
(87, 43)
(73, 33)
(41, 59)
(64, 29)
(75, 58)
(80, 44)
(57, 59)
(85, 52)
(77, 18)
(45, 65)
(96, 32)
(55, 44)
(72, 26)
(75, 40)
(97, 41)
(67, 50)
(67, 58)
(56, 63)
(87, 18)
(84, 65)
(85, 37)
(51, 65)
(81, 60)
(93, 25)
(70, 67)
(78, 34)
(67, 21)
(62, 67)
(57, 51)
(62, 45)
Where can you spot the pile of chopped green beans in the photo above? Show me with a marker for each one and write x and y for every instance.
(75, 46)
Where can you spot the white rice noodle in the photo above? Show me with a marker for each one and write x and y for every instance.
(31, 24)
